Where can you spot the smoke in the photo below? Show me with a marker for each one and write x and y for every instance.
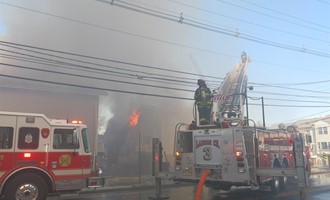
(124, 36)
(157, 119)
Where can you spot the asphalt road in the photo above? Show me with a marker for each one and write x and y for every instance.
(316, 191)
(188, 192)
(134, 188)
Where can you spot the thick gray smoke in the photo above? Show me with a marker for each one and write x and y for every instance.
(157, 119)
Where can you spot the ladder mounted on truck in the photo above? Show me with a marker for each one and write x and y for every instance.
(232, 93)
(231, 152)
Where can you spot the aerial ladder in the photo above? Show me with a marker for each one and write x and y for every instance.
(230, 98)
(229, 152)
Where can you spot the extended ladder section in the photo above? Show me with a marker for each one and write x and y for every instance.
(231, 94)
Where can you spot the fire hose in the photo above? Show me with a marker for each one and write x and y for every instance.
(201, 184)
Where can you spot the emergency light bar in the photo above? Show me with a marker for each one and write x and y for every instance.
(77, 122)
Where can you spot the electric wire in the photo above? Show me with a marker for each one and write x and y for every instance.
(254, 83)
(285, 14)
(91, 77)
(274, 17)
(100, 59)
(207, 27)
(251, 23)
(182, 20)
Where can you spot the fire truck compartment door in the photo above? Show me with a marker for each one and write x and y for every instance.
(207, 149)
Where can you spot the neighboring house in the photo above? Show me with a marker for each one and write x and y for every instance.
(319, 130)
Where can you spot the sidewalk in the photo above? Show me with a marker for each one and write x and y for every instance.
(124, 183)
(322, 169)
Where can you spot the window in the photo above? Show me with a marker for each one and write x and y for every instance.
(320, 130)
(325, 130)
(6, 137)
(65, 139)
(28, 138)
(85, 140)
(324, 145)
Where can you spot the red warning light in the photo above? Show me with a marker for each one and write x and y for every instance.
(156, 157)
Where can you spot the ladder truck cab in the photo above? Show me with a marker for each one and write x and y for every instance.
(231, 151)
(39, 155)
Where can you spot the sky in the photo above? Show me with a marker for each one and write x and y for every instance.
(169, 44)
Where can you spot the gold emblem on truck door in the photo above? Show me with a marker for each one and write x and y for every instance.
(64, 160)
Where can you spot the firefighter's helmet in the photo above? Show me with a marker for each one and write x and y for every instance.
(200, 82)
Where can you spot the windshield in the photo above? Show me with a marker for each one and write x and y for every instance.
(84, 133)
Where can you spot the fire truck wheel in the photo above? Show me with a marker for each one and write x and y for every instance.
(284, 179)
(275, 185)
(26, 186)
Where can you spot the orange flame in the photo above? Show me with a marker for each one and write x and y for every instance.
(134, 118)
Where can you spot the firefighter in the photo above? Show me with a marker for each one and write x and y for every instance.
(203, 97)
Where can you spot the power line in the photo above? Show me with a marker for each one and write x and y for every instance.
(291, 106)
(301, 83)
(289, 88)
(169, 79)
(323, 1)
(308, 116)
(277, 18)
(131, 34)
(95, 88)
(98, 58)
(115, 30)
(91, 77)
(177, 79)
(131, 92)
(183, 20)
(102, 71)
(291, 100)
(251, 23)
(285, 14)
(292, 95)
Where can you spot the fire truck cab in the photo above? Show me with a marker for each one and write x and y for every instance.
(39, 155)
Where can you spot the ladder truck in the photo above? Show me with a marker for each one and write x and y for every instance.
(234, 153)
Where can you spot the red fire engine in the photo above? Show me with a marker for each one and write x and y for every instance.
(233, 153)
(39, 155)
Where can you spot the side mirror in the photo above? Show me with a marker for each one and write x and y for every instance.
(75, 138)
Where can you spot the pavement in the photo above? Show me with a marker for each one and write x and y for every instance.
(124, 183)
(322, 169)
(132, 182)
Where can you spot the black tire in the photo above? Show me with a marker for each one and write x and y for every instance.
(275, 185)
(275, 182)
(284, 179)
(34, 187)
